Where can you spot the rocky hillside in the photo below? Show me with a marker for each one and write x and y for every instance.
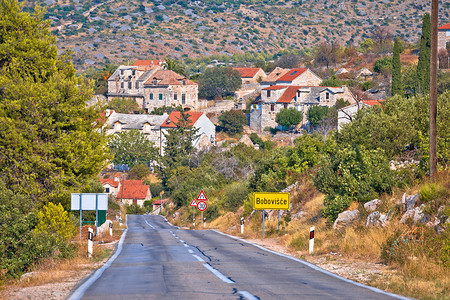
(117, 31)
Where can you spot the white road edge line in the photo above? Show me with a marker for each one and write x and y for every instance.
(153, 227)
(186, 245)
(170, 223)
(190, 251)
(247, 295)
(316, 267)
(218, 274)
(198, 258)
(78, 294)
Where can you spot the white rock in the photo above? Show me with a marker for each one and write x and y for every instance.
(372, 205)
(345, 218)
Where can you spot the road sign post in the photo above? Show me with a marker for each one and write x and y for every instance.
(264, 217)
(193, 204)
(311, 240)
(90, 243)
(271, 201)
(89, 201)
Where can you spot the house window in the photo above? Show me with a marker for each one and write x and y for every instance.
(327, 96)
(155, 82)
(137, 85)
(175, 97)
(272, 107)
(133, 72)
(151, 96)
(285, 106)
(184, 82)
(268, 94)
(122, 85)
(121, 72)
(106, 190)
(183, 98)
(129, 85)
(160, 96)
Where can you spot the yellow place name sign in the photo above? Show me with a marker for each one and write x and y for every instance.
(276, 201)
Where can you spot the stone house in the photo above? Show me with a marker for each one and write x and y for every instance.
(294, 77)
(251, 75)
(277, 97)
(152, 87)
(207, 130)
(148, 124)
(346, 114)
(134, 192)
(111, 185)
(444, 46)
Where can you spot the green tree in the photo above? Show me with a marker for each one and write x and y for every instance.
(233, 121)
(423, 66)
(179, 144)
(54, 221)
(132, 147)
(353, 173)
(218, 82)
(51, 141)
(316, 114)
(383, 65)
(139, 171)
(288, 117)
(174, 65)
(124, 105)
(397, 88)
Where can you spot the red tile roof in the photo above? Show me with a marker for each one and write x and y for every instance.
(247, 72)
(158, 201)
(275, 87)
(141, 62)
(168, 77)
(372, 102)
(288, 95)
(133, 191)
(276, 74)
(110, 181)
(172, 119)
(292, 74)
(445, 27)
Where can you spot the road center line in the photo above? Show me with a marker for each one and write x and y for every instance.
(198, 257)
(218, 274)
(247, 295)
(149, 223)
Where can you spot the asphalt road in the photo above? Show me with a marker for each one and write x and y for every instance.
(159, 261)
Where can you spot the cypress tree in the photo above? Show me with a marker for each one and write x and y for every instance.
(423, 66)
(397, 69)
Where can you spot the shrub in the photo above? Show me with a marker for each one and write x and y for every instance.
(54, 221)
(235, 195)
(257, 140)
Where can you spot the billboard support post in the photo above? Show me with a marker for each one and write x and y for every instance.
(271, 201)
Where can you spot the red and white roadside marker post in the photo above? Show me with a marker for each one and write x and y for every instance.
(311, 240)
(193, 204)
(242, 225)
(90, 243)
(110, 228)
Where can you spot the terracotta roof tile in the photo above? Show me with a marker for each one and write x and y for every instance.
(133, 191)
(445, 27)
(247, 72)
(142, 62)
(275, 87)
(172, 119)
(168, 77)
(275, 74)
(372, 102)
(288, 95)
(111, 182)
(292, 74)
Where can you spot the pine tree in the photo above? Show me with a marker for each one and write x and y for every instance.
(50, 140)
(423, 66)
(397, 88)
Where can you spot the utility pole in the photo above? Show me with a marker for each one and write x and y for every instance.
(433, 86)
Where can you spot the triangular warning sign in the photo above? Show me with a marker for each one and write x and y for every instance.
(193, 203)
(202, 196)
